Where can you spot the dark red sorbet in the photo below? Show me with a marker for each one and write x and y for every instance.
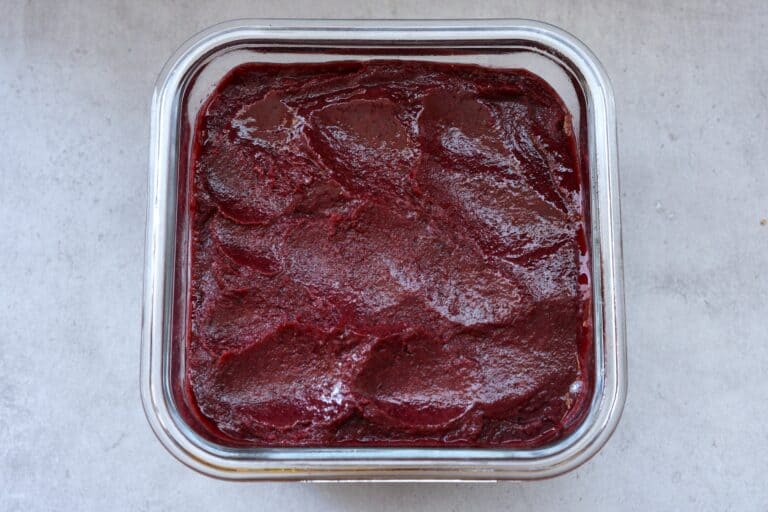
(387, 253)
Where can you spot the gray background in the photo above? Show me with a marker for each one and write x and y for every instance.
(75, 84)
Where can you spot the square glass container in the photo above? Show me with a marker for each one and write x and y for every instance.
(192, 74)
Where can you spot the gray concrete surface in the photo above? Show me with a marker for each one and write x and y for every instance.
(690, 80)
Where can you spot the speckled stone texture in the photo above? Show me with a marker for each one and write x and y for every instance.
(75, 86)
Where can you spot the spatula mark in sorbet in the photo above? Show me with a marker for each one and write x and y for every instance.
(387, 253)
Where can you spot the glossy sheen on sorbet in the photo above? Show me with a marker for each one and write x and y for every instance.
(387, 253)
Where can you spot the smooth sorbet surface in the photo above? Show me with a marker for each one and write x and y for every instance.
(387, 253)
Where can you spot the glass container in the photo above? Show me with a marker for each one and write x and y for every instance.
(191, 75)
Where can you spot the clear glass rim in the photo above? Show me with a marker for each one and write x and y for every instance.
(402, 464)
